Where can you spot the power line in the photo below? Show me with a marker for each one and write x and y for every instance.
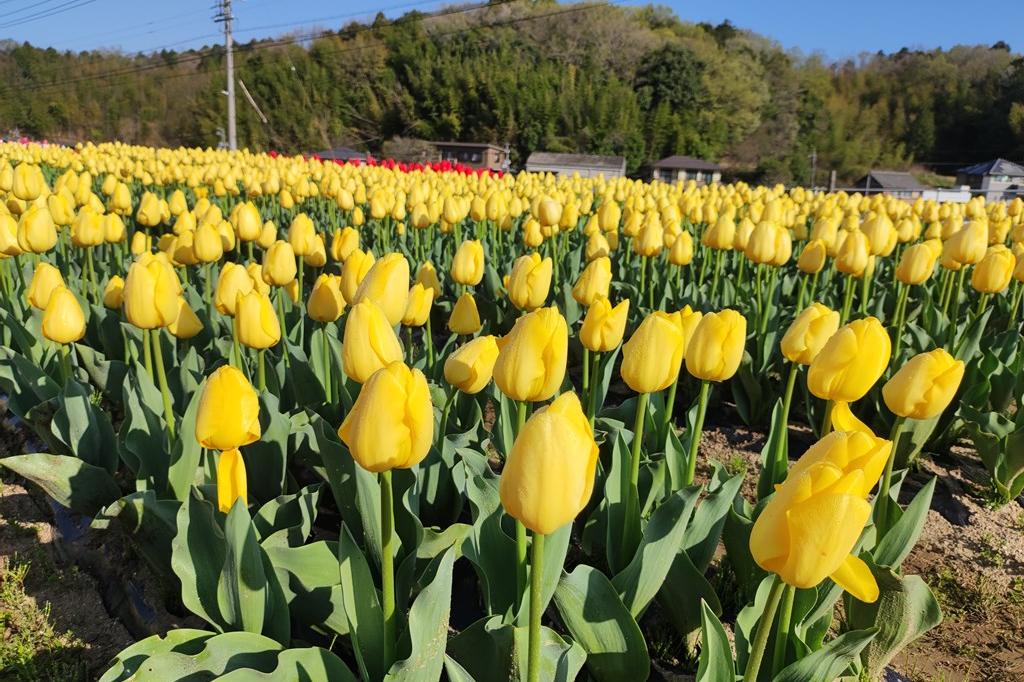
(53, 11)
(191, 58)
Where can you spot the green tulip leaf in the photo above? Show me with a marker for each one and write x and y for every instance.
(427, 634)
(715, 664)
(71, 482)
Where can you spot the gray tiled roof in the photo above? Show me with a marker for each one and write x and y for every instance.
(882, 179)
(680, 162)
(995, 167)
(616, 163)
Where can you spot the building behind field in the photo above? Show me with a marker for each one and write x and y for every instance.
(997, 179)
(586, 165)
(678, 168)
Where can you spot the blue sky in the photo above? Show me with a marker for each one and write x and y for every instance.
(836, 29)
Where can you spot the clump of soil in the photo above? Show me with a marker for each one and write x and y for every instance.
(53, 625)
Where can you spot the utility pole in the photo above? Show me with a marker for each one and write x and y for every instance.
(226, 18)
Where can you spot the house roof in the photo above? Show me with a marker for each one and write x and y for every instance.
(995, 167)
(616, 163)
(899, 180)
(679, 162)
(468, 145)
(341, 153)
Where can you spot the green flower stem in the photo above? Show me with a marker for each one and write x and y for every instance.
(387, 566)
(670, 406)
(782, 633)
(586, 375)
(826, 423)
(536, 575)
(592, 397)
(882, 512)
(865, 291)
(520, 528)
(780, 449)
(147, 354)
(452, 392)
(814, 284)
(956, 294)
(1018, 288)
(165, 391)
(430, 345)
(261, 369)
(91, 267)
(764, 628)
(302, 327)
(236, 351)
(900, 319)
(631, 495)
(698, 428)
(643, 278)
(944, 291)
(208, 290)
(21, 275)
(801, 295)
(982, 304)
(773, 279)
(326, 348)
(65, 363)
(284, 332)
(716, 274)
(847, 301)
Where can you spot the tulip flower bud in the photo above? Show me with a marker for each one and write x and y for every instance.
(186, 324)
(234, 281)
(63, 319)
(598, 246)
(113, 229)
(247, 222)
(761, 246)
(716, 347)
(302, 234)
(808, 333)
(464, 320)
(45, 280)
(326, 304)
(924, 387)
(231, 480)
(229, 411)
(968, 245)
(720, 235)
(549, 211)
(140, 243)
(549, 475)
(151, 292)
(391, 424)
(916, 264)
(268, 235)
(992, 275)
(279, 265)
(353, 272)
(369, 343)
(36, 231)
(853, 255)
(604, 326)
(594, 281)
(61, 209)
(387, 285)
(609, 215)
(881, 234)
(471, 366)
(28, 182)
(681, 252)
(531, 363)
(113, 293)
(417, 310)
(468, 263)
(812, 258)
(344, 242)
(9, 236)
(427, 276)
(850, 362)
(530, 281)
(809, 527)
(256, 324)
(121, 199)
(150, 213)
(652, 356)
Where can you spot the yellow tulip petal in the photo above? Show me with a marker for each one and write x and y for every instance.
(854, 576)
(231, 481)
(843, 419)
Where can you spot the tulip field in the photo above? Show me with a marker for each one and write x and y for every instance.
(381, 422)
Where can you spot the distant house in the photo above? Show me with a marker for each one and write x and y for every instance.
(342, 154)
(682, 168)
(474, 154)
(998, 179)
(587, 165)
(897, 183)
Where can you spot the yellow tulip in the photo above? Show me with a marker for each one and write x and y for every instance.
(720, 235)
(716, 347)
(140, 243)
(924, 387)
(594, 281)
(28, 182)
(150, 213)
(63, 319)
(968, 245)
(256, 324)
(604, 326)
(268, 235)
(853, 255)
(652, 356)
(247, 222)
(681, 252)
(279, 264)
(808, 333)
(326, 304)
(343, 243)
(812, 258)
(9, 235)
(417, 310)
(151, 292)
(113, 229)
(353, 272)
(993, 273)
(850, 362)
(809, 527)
(427, 276)
(916, 264)
(113, 293)
(597, 247)
(186, 324)
(530, 281)
(36, 231)
(549, 211)
(45, 280)
(234, 281)
(468, 263)
(391, 424)
(609, 215)
(471, 366)
(229, 411)
(464, 320)
(763, 242)
(387, 285)
(302, 234)
(531, 363)
(370, 342)
(549, 475)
